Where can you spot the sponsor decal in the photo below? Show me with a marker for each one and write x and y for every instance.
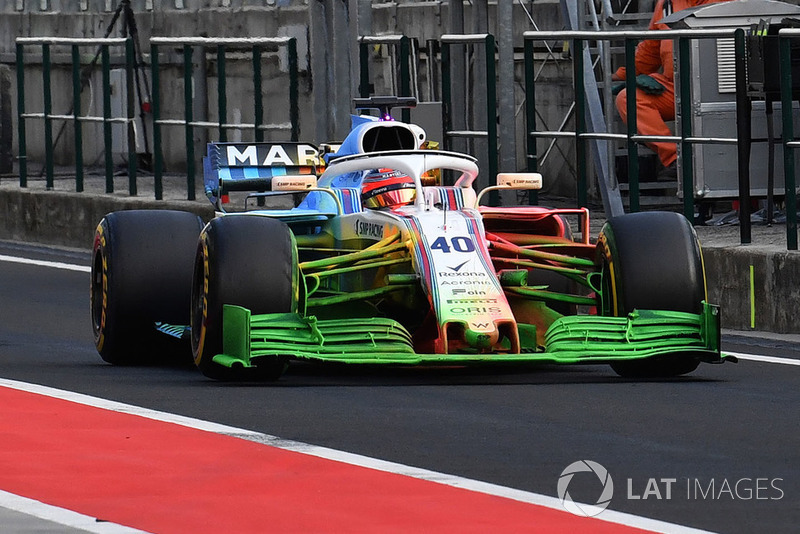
(458, 267)
(293, 183)
(464, 283)
(368, 229)
(459, 273)
(269, 155)
(461, 291)
(472, 301)
(462, 310)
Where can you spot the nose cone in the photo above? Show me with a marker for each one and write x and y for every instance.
(481, 339)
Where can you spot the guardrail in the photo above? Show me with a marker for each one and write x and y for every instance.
(256, 46)
(76, 116)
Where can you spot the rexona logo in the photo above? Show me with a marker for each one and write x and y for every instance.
(272, 155)
(593, 470)
(459, 273)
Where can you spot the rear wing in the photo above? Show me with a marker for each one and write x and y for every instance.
(256, 167)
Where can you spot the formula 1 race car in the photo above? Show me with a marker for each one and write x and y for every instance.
(382, 253)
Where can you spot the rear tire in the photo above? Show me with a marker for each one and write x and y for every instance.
(652, 261)
(141, 273)
(248, 261)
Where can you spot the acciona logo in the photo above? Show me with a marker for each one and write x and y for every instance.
(585, 466)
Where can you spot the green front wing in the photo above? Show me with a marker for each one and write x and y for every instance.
(571, 339)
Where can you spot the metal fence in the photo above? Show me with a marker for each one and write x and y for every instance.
(686, 140)
(76, 115)
(789, 141)
(256, 47)
(81, 70)
(186, 48)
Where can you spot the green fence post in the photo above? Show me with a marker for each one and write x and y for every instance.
(788, 136)
(188, 118)
(580, 120)
(158, 154)
(222, 99)
(48, 110)
(530, 116)
(687, 158)
(632, 130)
(405, 75)
(258, 96)
(447, 119)
(76, 113)
(744, 135)
(294, 103)
(23, 153)
(131, 116)
(491, 115)
(106, 68)
(363, 61)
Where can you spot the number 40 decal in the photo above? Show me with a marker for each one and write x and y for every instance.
(458, 243)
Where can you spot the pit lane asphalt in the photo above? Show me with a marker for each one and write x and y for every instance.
(514, 427)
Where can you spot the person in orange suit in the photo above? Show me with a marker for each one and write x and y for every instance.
(655, 86)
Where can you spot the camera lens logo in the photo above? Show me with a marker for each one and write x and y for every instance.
(585, 510)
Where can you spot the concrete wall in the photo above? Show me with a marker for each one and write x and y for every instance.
(775, 294)
(236, 18)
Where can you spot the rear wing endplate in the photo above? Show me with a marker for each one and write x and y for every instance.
(252, 166)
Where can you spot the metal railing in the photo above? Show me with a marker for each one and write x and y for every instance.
(257, 47)
(789, 142)
(581, 135)
(76, 115)
(401, 45)
(490, 134)
(686, 139)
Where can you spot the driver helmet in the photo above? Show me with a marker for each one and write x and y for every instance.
(387, 188)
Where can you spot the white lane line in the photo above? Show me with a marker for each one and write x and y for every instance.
(44, 263)
(62, 516)
(547, 501)
(760, 358)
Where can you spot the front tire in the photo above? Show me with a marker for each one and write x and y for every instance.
(652, 261)
(248, 261)
(141, 273)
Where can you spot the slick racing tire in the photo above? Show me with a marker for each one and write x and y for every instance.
(142, 274)
(248, 261)
(651, 261)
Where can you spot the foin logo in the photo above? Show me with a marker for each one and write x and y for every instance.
(585, 466)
